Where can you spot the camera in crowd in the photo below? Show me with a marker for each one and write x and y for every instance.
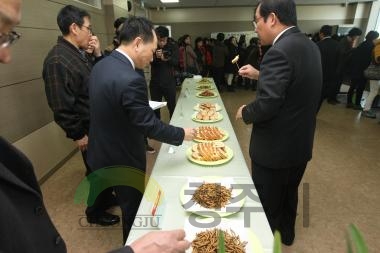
(166, 53)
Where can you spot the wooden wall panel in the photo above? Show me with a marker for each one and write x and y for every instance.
(23, 109)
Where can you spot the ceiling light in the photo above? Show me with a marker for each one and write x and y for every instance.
(169, 1)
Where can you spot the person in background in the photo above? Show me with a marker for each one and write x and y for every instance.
(200, 51)
(190, 58)
(284, 112)
(22, 209)
(117, 25)
(360, 60)
(346, 45)
(219, 57)
(231, 69)
(374, 82)
(329, 50)
(121, 115)
(165, 61)
(66, 70)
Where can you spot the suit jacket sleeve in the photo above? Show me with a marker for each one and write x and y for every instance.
(274, 78)
(136, 105)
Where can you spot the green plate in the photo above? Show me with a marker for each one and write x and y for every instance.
(225, 137)
(206, 121)
(200, 96)
(229, 151)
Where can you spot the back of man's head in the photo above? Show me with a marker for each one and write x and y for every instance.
(69, 15)
(162, 31)
(354, 32)
(326, 30)
(285, 10)
(136, 27)
(220, 36)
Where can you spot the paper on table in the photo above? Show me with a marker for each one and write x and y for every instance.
(156, 105)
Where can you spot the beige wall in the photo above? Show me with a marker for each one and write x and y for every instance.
(26, 119)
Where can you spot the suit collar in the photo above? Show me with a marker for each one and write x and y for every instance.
(121, 57)
(286, 32)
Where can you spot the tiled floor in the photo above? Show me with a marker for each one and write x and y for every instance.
(343, 181)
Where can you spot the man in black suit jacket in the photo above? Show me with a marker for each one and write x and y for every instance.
(120, 115)
(22, 209)
(329, 49)
(284, 112)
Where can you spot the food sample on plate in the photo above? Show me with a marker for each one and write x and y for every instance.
(206, 93)
(209, 133)
(204, 80)
(207, 106)
(209, 151)
(206, 114)
(203, 87)
(212, 195)
(207, 242)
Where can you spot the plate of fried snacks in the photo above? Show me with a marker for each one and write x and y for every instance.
(210, 133)
(204, 87)
(208, 195)
(206, 94)
(231, 235)
(207, 116)
(210, 153)
(204, 81)
(207, 106)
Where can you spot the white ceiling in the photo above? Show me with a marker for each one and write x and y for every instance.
(224, 3)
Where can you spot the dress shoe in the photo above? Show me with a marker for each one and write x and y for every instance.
(104, 219)
(369, 114)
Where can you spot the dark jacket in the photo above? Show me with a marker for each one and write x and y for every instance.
(65, 72)
(162, 72)
(329, 49)
(361, 58)
(284, 112)
(121, 116)
(25, 225)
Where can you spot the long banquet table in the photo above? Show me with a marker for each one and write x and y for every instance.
(172, 170)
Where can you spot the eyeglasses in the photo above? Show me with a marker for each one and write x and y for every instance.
(89, 29)
(254, 22)
(7, 39)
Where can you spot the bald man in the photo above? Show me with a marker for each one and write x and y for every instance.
(22, 210)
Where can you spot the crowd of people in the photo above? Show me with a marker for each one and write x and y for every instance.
(100, 100)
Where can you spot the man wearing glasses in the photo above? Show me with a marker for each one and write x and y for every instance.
(66, 71)
(284, 112)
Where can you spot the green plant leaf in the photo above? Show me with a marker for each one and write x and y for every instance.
(357, 239)
(221, 246)
(277, 242)
(349, 244)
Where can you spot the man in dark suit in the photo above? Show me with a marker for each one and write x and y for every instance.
(22, 209)
(120, 112)
(329, 49)
(284, 112)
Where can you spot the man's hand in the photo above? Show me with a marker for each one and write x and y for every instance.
(82, 143)
(239, 114)
(161, 241)
(249, 72)
(189, 134)
(94, 45)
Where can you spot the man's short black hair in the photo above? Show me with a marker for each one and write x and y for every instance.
(118, 22)
(162, 31)
(371, 35)
(69, 15)
(326, 30)
(285, 10)
(355, 32)
(136, 27)
(220, 36)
